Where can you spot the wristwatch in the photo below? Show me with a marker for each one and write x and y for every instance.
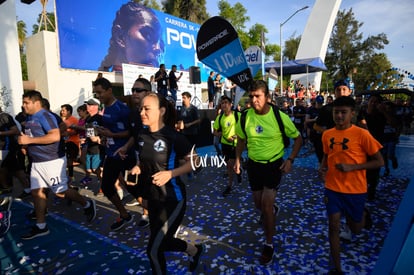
(291, 160)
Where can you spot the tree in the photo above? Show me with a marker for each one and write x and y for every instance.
(291, 47)
(153, 4)
(48, 23)
(191, 10)
(237, 17)
(272, 52)
(349, 55)
(21, 34)
(375, 72)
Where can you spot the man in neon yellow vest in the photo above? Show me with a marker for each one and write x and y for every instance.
(265, 148)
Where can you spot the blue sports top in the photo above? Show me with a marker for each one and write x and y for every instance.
(116, 119)
(37, 125)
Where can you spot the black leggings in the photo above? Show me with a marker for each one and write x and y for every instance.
(112, 168)
(165, 217)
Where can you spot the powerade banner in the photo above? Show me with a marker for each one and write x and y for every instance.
(103, 34)
(219, 47)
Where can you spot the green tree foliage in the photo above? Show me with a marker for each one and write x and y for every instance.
(237, 16)
(153, 4)
(21, 34)
(291, 47)
(47, 23)
(191, 10)
(350, 56)
(374, 72)
(272, 52)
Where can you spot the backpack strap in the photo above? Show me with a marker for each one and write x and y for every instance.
(243, 122)
(236, 115)
(220, 129)
(276, 111)
(286, 140)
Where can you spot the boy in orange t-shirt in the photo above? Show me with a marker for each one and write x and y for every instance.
(346, 149)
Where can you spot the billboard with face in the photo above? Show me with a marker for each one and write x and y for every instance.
(103, 34)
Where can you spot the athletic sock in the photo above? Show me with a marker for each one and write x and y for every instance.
(41, 225)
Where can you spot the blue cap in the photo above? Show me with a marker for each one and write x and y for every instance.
(319, 99)
(342, 82)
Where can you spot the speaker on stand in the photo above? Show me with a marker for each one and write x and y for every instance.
(195, 78)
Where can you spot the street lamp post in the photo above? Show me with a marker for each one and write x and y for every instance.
(281, 48)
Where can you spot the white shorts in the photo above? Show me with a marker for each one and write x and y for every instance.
(49, 174)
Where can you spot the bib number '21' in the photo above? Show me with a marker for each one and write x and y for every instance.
(55, 181)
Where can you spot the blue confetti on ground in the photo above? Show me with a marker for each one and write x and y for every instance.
(229, 228)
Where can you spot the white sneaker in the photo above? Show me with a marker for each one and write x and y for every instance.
(132, 203)
(346, 233)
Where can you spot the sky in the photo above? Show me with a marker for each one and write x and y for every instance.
(391, 17)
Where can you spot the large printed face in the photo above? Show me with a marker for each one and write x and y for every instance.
(142, 41)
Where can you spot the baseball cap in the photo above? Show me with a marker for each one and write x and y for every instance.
(342, 82)
(93, 101)
(319, 99)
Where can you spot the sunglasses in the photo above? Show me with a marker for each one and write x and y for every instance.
(138, 90)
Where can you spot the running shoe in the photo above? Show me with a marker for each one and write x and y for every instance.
(86, 180)
(121, 222)
(132, 203)
(144, 222)
(346, 234)
(267, 255)
(90, 212)
(36, 232)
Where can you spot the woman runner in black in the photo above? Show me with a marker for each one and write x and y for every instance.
(164, 155)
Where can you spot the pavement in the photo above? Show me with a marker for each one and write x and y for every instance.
(228, 228)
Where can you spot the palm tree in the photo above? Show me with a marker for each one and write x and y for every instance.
(21, 33)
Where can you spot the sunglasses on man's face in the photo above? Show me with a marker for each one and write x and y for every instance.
(138, 90)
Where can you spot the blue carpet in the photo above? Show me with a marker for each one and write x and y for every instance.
(228, 227)
(68, 249)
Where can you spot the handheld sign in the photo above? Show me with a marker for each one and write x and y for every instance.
(219, 47)
(253, 56)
